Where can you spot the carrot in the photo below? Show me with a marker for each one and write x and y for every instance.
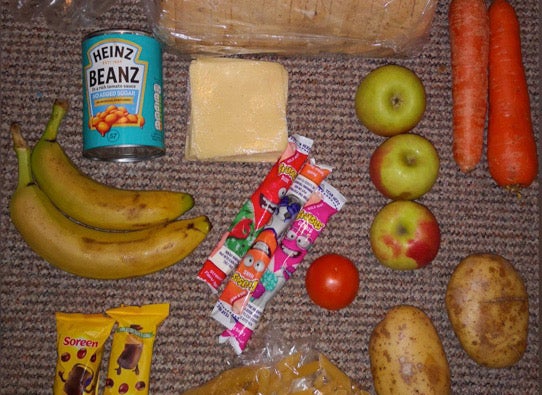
(469, 44)
(511, 150)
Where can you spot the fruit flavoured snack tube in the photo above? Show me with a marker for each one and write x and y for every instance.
(255, 213)
(304, 231)
(245, 278)
(80, 344)
(238, 289)
(131, 351)
(308, 180)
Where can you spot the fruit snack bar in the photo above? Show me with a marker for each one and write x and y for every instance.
(80, 345)
(255, 213)
(131, 350)
(239, 288)
(307, 226)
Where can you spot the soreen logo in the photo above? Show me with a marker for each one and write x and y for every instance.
(78, 342)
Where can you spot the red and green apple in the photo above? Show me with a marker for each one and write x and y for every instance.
(404, 167)
(390, 100)
(405, 235)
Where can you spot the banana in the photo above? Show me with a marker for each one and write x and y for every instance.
(90, 252)
(94, 203)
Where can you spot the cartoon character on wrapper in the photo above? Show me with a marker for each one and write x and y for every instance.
(250, 270)
(292, 250)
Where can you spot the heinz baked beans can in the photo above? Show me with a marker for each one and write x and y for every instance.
(122, 96)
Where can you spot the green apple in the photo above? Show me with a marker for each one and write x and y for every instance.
(390, 100)
(405, 235)
(404, 167)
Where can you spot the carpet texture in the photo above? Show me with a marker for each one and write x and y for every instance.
(39, 65)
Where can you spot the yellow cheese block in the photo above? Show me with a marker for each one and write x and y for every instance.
(237, 110)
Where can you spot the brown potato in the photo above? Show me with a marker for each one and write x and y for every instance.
(488, 307)
(407, 356)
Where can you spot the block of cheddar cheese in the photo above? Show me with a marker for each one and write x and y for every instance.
(237, 110)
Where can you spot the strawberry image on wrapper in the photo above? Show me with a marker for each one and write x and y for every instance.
(242, 283)
(255, 213)
(298, 240)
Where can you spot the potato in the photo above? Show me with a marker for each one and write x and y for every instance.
(407, 356)
(488, 307)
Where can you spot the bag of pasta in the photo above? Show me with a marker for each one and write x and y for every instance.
(277, 369)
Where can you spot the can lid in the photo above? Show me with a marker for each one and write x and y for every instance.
(117, 31)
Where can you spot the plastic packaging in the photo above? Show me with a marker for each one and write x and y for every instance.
(281, 368)
(307, 226)
(374, 28)
(248, 273)
(80, 344)
(255, 213)
(63, 15)
(132, 347)
(237, 110)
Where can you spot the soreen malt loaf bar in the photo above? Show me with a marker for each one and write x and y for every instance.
(293, 27)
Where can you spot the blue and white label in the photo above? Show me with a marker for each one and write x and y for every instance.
(122, 103)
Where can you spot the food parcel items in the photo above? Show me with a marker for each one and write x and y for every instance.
(237, 110)
(242, 283)
(308, 225)
(255, 213)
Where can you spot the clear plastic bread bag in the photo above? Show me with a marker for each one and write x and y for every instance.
(62, 15)
(372, 28)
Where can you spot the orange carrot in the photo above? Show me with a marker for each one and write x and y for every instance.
(511, 150)
(469, 43)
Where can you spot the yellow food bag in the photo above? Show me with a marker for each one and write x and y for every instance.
(80, 343)
(131, 350)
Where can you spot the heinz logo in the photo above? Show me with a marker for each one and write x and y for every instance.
(112, 51)
(79, 342)
(115, 64)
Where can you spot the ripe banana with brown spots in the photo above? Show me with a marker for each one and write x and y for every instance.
(94, 203)
(90, 252)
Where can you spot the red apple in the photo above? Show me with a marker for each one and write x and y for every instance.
(404, 167)
(405, 235)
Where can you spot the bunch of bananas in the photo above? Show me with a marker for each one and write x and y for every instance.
(91, 229)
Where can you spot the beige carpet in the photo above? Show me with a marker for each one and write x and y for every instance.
(39, 65)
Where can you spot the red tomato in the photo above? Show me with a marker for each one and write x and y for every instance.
(332, 281)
